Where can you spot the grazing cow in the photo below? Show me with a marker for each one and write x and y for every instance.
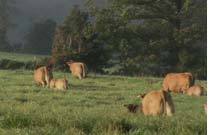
(157, 103)
(178, 82)
(77, 69)
(43, 75)
(133, 108)
(59, 84)
(195, 90)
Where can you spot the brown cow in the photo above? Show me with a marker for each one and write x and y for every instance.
(77, 69)
(178, 82)
(157, 103)
(195, 90)
(43, 75)
(59, 84)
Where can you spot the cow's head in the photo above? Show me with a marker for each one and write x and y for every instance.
(132, 107)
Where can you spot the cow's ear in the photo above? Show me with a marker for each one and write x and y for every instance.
(141, 95)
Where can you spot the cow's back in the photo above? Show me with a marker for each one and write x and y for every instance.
(153, 103)
(177, 82)
(76, 68)
(170, 82)
(39, 74)
(61, 84)
(43, 76)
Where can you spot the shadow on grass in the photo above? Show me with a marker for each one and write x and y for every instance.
(125, 126)
(86, 87)
(22, 99)
(152, 81)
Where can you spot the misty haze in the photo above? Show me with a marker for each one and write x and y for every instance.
(29, 11)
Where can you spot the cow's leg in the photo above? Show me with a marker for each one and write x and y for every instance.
(169, 109)
(47, 81)
(184, 91)
(79, 76)
(43, 83)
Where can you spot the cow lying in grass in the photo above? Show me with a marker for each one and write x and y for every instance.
(59, 84)
(195, 90)
(43, 75)
(77, 69)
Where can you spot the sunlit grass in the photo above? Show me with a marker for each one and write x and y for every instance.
(91, 106)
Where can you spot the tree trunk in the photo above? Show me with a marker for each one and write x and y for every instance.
(80, 46)
(70, 41)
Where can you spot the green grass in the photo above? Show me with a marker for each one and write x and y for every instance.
(91, 106)
(20, 57)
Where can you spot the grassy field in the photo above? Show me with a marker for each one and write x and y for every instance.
(20, 57)
(91, 106)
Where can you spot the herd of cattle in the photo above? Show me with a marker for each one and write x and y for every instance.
(43, 76)
(157, 102)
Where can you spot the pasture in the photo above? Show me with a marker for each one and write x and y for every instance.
(20, 57)
(91, 106)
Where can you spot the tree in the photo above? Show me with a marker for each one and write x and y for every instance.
(75, 27)
(155, 37)
(39, 39)
(5, 8)
(142, 37)
(76, 39)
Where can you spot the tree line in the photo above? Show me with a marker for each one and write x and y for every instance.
(130, 37)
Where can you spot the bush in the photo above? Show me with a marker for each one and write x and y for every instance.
(30, 65)
(10, 64)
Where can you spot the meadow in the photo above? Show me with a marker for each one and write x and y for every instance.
(20, 57)
(93, 106)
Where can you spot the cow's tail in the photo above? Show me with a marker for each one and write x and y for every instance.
(164, 102)
(193, 80)
(47, 77)
(83, 70)
(86, 70)
(204, 90)
(168, 104)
